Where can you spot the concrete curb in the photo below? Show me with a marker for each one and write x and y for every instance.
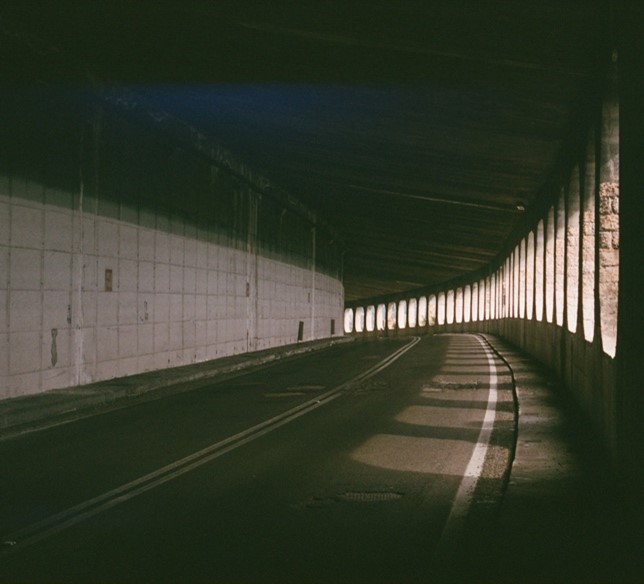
(25, 414)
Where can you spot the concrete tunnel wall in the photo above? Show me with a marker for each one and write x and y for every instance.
(128, 243)
(555, 292)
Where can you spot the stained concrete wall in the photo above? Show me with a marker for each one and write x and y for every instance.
(111, 266)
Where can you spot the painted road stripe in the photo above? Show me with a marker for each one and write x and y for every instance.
(463, 499)
(56, 523)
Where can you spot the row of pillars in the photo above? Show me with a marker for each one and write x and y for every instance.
(564, 270)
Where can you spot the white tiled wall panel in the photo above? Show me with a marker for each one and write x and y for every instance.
(177, 297)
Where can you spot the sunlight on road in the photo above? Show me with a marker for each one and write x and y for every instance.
(415, 454)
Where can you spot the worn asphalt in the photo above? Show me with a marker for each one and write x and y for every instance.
(448, 458)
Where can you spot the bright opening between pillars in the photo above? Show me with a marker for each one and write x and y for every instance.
(560, 259)
(371, 318)
(522, 273)
(550, 265)
(348, 320)
(450, 306)
(572, 251)
(506, 288)
(529, 278)
(359, 319)
(441, 308)
(402, 314)
(412, 313)
(381, 317)
(515, 282)
(391, 316)
(588, 243)
(422, 311)
(431, 310)
(467, 303)
(538, 270)
(475, 302)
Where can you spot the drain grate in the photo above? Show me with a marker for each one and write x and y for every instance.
(439, 386)
(369, 496)
(321, 502)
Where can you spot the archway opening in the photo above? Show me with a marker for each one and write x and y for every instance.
(381, 317)
(391, 316)
(431, 310)
(572, 251)
(402, 314)
(359, 319)
(348, 320)
(550, 265)
(370, 318)
(422, 311)
(412, 313)
(539, 272)
(529, 276)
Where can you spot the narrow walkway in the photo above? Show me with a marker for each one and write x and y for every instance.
(562, 518)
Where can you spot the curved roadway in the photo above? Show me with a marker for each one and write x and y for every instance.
(365, 462)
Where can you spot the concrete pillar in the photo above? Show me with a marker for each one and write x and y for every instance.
(608, 211)
(483, 299)
(630, 364)
(522, 278)
(530, 277)
(572, 250)
(515, 282)
(560, 258)
(587, 288)
(539, 272)
(458, 305)
(550, 265)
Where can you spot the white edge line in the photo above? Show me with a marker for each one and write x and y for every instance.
(463, 499)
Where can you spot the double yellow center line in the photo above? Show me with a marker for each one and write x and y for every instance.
(41, 530)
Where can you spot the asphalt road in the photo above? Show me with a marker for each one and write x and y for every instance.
(359, 463)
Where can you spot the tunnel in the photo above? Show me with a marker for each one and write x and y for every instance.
(199, 183)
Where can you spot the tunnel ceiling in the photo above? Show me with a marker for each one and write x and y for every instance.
(419, 129)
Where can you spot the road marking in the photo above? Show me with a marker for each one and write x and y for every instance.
(463, 499)
(73, 515)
